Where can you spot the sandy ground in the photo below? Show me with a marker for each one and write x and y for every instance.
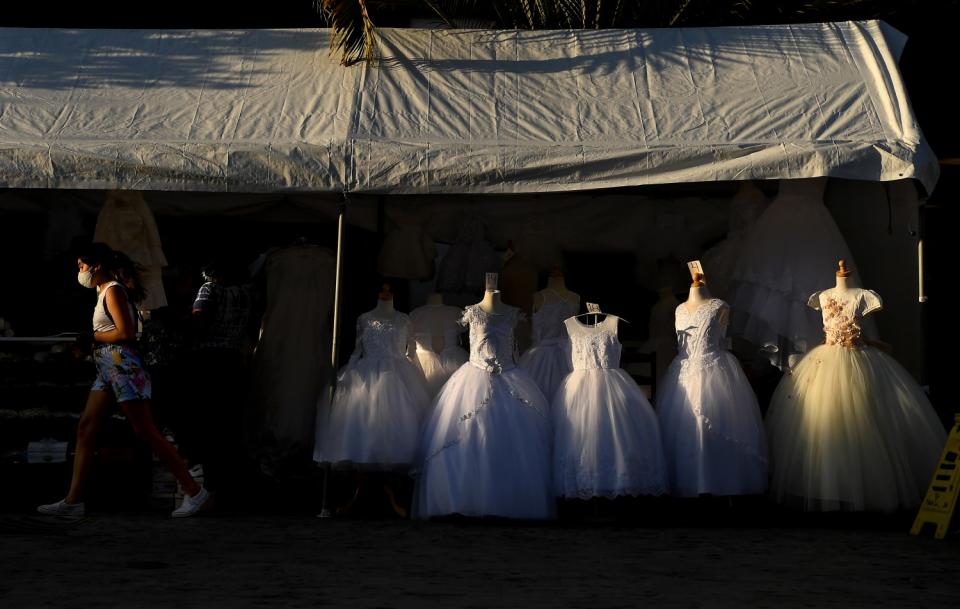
(147, 560)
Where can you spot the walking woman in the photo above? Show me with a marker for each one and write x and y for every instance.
(121, 379)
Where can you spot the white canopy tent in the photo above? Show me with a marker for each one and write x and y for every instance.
(455, 111)
(490, 114)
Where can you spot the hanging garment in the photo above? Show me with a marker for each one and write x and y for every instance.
(720, 261)
(786, 256)
(606, 435)
(436, 328)
(468, 260)
(126, 224)
(712, 430)
(849, 428)
(374, 419)
(548, 360)
(485, 450)
(407, 253)
(293, 356)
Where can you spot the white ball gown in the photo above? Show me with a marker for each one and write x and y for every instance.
(606, 435)
(486, 446)
(849, 428)
(712, 429)
(380, 401)
(548, 360)
(438, 366)
(786, 256)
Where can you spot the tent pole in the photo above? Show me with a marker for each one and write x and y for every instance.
(334, 351)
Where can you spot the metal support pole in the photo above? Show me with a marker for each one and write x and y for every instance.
(334, 348)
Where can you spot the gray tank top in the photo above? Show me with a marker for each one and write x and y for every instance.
(102, 321)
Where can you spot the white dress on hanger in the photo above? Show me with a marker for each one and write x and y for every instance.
(292, 362)
(712, 430)
(438, 364)
(374, 419)
(548, 360)
(849, 428)
(787, 255)
(606, 434)
(486, 446)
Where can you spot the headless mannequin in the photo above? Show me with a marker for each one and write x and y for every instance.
(384, 308)
(556, 288)
(699, 295)
(845, 279)
(491, 302)
(436, 324)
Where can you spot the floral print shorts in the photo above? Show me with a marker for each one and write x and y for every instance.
(120, 371)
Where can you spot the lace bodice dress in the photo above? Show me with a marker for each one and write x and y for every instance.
(548, 360)
(713, 433)
(485, 449)
(380, 400)
(606, 435)
(850, 429)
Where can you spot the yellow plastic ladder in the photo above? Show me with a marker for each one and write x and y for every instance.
(941, 499)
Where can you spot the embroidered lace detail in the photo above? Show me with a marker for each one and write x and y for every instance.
(841, 326)
(594, 347)
(382, 338)
(491, 338)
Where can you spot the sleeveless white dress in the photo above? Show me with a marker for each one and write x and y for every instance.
(486, 446)
(712, 429)
(379, 404)
(606, 435)
(438, 366)
(849, 428)
(548, 360)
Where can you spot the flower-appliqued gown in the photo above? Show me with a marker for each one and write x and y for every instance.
(374, 419)
(548, 360)
(486, 446)
(438, 365)
(606, 434)
(712, 429)
(849, 428)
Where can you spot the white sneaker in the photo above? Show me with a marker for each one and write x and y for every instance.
(62, 508)
(191, 505)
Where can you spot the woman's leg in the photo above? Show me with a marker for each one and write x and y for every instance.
(139, 416)
(98, 405)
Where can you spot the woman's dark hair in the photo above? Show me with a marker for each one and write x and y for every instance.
(118, 265)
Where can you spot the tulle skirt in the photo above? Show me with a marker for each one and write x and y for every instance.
(485, 450)
(712, 430)
(606, 438)
(851, 430)
(374, 419)
(438, 367)
(547, 363)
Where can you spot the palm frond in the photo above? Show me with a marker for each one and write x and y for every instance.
(354, 34)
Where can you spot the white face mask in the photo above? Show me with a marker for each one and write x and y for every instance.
(85, 278)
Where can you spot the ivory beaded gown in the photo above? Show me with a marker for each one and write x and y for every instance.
(485, 449)
(548, 360)
(606, 435)
(850, 429)
(381, 398)
(712, 429)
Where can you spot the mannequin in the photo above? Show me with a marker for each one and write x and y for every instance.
(556, 287)
(699, 295)
(436, 327)
(548, 360)
(491, 302)
(850, 428)
(384, 308)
